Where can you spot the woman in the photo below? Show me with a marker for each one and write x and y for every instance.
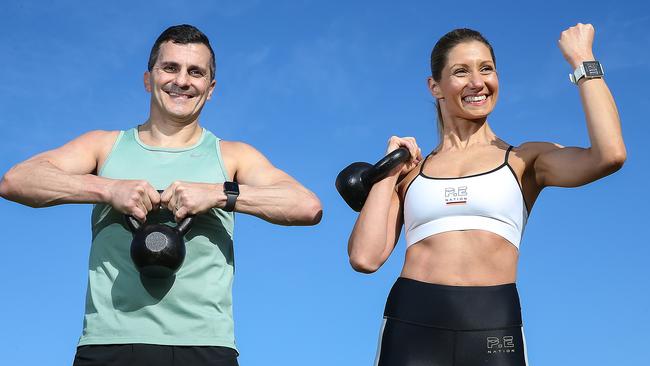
(464, 208)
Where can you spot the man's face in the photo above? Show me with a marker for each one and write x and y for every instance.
(180, 81)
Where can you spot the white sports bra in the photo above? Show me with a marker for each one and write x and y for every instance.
(491, 201)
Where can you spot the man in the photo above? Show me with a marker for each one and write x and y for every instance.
(131, 319)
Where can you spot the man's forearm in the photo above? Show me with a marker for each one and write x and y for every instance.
(284, 204)
(38, 183)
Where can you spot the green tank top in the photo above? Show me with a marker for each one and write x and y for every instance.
(195, 306)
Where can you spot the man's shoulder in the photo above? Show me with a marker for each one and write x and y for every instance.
(97, 138)
(99, 135)
(240, 157)
(237, 148)
(96, 143)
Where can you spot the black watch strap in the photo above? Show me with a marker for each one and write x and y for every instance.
(231, 190)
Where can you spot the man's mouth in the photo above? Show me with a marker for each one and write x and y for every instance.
(179, 95)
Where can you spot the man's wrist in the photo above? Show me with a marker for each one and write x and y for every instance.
(103, 188)
(219, 196)
(231, 191)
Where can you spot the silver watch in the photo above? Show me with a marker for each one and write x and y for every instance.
(587, 69)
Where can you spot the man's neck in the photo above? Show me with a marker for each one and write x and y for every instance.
(169, 134)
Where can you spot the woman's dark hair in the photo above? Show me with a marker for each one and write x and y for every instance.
(181, 34)
(440, 53)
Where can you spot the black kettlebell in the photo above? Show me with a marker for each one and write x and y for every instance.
(355, 181)
(158, 250)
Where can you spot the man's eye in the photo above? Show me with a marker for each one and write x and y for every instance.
(169, 68)
(196, 73)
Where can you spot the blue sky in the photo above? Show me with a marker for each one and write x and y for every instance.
(316, 85)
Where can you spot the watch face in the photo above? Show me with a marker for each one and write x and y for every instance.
(592, 69)
(231, 187)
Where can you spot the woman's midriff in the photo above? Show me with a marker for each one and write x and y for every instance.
(462, 258)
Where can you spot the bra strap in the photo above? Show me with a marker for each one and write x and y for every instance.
(507, 153)
(424, 162)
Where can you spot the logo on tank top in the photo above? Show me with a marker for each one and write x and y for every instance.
(456, 196)
(505, 344)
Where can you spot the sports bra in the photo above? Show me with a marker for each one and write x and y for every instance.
(492, 201)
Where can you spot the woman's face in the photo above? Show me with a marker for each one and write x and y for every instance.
(468, 87)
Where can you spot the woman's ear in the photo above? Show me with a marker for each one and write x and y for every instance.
(434, 88)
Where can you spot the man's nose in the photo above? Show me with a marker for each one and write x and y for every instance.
(182, 79)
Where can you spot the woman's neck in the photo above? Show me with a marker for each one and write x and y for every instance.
(462, 134)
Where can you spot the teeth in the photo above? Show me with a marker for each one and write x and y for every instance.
(476, 98)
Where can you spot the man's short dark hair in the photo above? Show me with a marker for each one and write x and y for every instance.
(181, 34)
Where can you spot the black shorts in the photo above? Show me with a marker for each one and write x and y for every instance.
(437, 325)
(154, 355)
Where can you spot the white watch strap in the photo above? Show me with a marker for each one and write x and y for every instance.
(577, 74)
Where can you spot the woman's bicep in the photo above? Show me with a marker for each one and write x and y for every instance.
(560, 166)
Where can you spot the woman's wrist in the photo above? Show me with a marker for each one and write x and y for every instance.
(577, 60)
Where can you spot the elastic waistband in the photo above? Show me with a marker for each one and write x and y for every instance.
(454, 307)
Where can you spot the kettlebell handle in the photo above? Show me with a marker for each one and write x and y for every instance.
(380, 170)
(183, 227)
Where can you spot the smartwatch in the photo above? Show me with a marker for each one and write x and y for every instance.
(231, 190)
(588, 70)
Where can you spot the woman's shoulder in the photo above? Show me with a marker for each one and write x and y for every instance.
(529, 151)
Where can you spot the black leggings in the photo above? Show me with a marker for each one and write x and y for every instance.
(154, 355)
(437, 325)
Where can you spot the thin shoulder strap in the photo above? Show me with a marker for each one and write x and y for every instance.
(424, 162)
(507, 153)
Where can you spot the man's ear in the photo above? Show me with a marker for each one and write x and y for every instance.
(147, 81)
(211, 88)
